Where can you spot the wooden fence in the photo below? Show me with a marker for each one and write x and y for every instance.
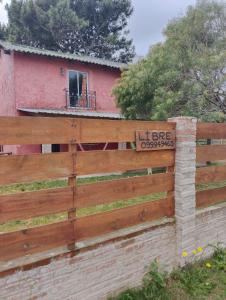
(214, 174)
(39, 167)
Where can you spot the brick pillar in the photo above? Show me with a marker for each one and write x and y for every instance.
(185, 169)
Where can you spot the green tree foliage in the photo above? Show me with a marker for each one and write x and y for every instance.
(91, 27)
(184, 75)
(2, 32)
(2, 29)
(105, 32)
(41, 23)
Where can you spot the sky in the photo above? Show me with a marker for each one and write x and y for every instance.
(148, 21)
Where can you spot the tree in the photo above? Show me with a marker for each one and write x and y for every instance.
(104, 33)
(2, 29)
(2, 32)
(140, 90)
(42, 23)
(91, 27)
(184, 75)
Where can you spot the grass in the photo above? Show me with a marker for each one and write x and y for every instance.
(34, 186)
(203, 280)
(44, 220)
(209, 186)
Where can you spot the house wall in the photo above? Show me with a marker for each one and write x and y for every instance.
(40, 84)
(36, 81)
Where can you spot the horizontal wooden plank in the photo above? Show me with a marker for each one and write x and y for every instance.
(96, 131)
(22, 206)
(211, 131)
(93, 162)
(109, 191)
(37, 130)
(27, 168)
(210, 174)
(211, 153)
(45, 130)
(34, 240)
(210, 197)
(98, 224)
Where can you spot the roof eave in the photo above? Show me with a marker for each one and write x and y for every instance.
(68, 56)
(78, 114)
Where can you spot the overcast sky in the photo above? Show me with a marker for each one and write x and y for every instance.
(149, 19)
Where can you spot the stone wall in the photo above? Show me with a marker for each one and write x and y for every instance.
(211, 227)
(109, 268)
(97, 273)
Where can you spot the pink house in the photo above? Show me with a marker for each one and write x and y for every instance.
(48, 83)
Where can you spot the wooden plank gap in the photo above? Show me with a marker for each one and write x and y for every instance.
(170, 194)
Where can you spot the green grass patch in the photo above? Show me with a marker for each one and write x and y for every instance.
(209, 186)
(35, 186)
(34, 222)
(49, 219)
(119, 204)
(29, 187)
(198, 281)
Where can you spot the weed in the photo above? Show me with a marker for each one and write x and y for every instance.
(200, 280)
(154, 287)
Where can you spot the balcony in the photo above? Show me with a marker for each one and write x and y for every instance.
(86, 100)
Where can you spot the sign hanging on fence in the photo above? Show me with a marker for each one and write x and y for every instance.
(155, 140)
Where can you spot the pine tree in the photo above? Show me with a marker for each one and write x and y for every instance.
(91, 27)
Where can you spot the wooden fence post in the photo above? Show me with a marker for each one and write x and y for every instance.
(185, 195)
(72, 183)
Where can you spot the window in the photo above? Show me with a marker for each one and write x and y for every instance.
(49, 148)
(1, 148)
(78, 87)
(55, 148)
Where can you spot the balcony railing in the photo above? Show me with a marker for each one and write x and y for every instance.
(86, 100)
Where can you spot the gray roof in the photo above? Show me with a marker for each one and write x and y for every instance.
(84, 113)
(81, 58)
